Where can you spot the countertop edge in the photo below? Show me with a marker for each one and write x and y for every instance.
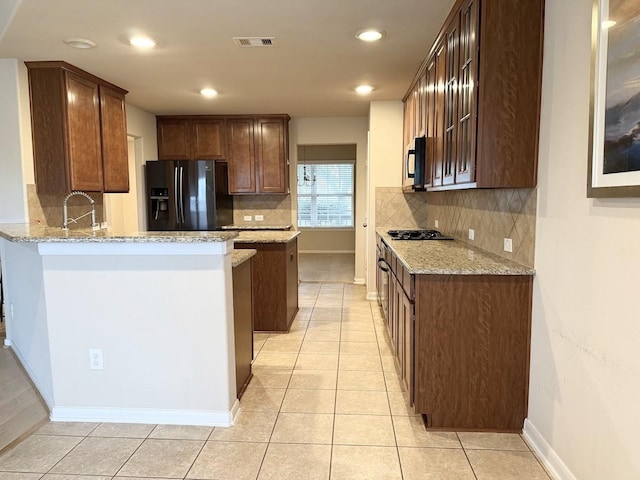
(238, 257)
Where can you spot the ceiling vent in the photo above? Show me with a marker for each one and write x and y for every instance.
(254, 41)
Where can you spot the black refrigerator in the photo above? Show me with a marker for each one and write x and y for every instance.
(187, 195)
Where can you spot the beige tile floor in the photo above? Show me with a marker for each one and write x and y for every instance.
(325, 403)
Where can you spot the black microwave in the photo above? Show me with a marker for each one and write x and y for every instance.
(419, 155)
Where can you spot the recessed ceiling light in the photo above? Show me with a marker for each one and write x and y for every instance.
(208, 92)
(79, 42)
(370, 35)
(608, 24)
(364, 89)
(141, 41)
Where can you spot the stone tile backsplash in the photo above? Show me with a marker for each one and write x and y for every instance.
(493, 214)
(46, 209)
(276, 209)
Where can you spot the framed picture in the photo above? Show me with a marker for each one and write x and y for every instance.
(614, 123)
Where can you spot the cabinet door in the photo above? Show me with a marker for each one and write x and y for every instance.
(465, 162)
(408, 348)
(407, 165)
(439, 110)
(241, 155)
(271, 155)
(174, 139)
(451, 104)
(84, 154)
(430, 120)
(208, 139)
(115, 156)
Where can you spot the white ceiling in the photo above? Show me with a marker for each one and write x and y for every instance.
(310, 72)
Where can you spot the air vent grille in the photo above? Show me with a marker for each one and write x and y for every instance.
(254, 41)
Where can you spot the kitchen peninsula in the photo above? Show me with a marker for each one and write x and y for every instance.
(123, 327)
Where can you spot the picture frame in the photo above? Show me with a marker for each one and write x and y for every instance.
(614, 113)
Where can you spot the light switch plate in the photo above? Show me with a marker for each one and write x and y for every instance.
(508, 245)
(472, 234)
(247, 218)
(436, 223)
(259, 218)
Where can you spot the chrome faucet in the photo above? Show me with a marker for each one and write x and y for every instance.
(66, 220)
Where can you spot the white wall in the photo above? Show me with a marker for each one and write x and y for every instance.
(585, 367)
(330, 131)
(142, 126)
(385, 168)
(13, 197)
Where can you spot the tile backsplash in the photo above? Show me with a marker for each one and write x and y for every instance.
(46, 209)
(493, 214)
(276, 209)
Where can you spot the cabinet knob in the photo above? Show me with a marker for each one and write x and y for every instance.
(364, 225)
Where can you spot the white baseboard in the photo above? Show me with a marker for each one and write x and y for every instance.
(372, 296)
(545, 453)
(358, 281)
(146, 415)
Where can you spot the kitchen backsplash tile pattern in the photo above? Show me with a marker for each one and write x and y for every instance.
(276, 209)
(493, 215)
(47, 209)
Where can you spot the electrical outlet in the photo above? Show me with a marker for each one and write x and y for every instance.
(472, 234)
(95, 359)
(259, 218)
(508, 245)
(436, 223)
(248, 218)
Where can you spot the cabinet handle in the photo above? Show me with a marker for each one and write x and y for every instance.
(381, 265)
(409, 153)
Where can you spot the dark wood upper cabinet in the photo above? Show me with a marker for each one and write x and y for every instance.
(271, 155)
(79, 130)
(174, 138)
(208, 139)
(241, 156)
(191, 138)
(115, 155)
(486, 105)
(255, 147)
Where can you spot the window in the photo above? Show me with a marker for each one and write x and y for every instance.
(325, 195)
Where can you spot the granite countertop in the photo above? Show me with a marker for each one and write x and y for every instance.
(265, 236)
(256, 227)
(32, 233)
(238, 257)
(441, 257)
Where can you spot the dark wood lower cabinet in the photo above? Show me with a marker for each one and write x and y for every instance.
(275, 284)
(243, 323)
(472, 343)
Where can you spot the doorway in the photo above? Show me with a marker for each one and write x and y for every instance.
(326, 185)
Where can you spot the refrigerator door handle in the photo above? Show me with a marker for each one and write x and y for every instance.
(176, 194)
(181, 194)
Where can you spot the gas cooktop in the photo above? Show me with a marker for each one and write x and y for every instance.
(417, 235)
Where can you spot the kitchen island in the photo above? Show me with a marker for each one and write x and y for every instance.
(123, 327)
(275, 277)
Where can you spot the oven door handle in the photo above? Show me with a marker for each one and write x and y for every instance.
(383, 265)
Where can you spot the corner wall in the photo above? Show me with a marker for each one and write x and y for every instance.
(585, 367)
(13, 198)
